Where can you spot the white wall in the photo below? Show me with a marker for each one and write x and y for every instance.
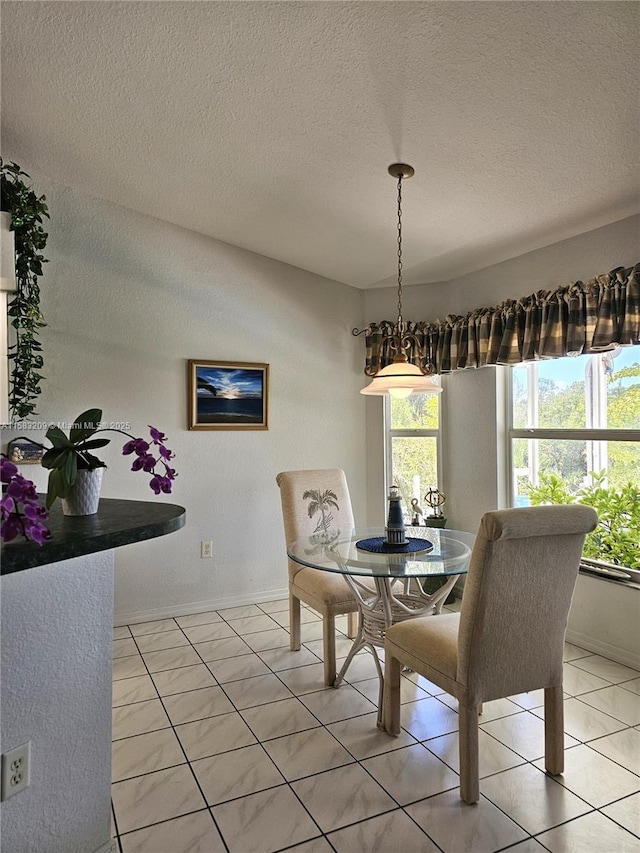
(605, 618)
(56, 693)
(128, 299)
(473, 404)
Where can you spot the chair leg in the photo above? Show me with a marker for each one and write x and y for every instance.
(391, 695)
(554, 730)
(468, 746)
(329, 648)
(294, 622)
(352, 624)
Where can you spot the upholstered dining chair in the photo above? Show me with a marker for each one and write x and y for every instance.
(317, 501)
(508, 637)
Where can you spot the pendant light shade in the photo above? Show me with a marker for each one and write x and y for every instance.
(402, 377)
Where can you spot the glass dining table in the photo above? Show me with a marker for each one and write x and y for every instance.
(390, 585)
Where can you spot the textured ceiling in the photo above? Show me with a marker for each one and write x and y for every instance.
(270, 125)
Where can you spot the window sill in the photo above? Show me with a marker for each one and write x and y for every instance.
(611, 573)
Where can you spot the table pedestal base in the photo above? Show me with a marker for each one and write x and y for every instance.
(383, 607)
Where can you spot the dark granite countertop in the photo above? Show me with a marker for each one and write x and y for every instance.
(116, 523)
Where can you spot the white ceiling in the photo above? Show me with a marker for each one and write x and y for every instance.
(270, 125)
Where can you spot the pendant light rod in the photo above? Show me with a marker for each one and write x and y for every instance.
(401, 377)
(400, 171)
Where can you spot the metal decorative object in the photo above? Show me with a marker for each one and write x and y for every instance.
(401, 378)
(435, 498)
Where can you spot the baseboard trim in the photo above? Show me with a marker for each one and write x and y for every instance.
(607, 650)
(584, 641)
(134, 616)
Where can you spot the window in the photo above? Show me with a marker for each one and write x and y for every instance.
(412, 447)
(575, 435)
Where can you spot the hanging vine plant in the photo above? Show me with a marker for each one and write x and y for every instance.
(27, 211)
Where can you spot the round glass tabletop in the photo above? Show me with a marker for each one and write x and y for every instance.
(336, 551)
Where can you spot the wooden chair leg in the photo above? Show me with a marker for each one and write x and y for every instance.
(391, 695)
(554, 730)
(329, 649)
(352, 624)
(468, 746)
(294, 622)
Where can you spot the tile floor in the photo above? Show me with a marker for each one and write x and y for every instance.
(224, 740)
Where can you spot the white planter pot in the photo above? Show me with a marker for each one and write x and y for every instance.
(84, 496)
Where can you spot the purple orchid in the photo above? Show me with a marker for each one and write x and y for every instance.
(21, 512)
(145, 461)
(157, 436)
(136, 445)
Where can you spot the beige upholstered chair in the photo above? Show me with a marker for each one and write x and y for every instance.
(317, 501)
(509, 635)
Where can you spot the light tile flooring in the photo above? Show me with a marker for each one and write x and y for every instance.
(224, 740)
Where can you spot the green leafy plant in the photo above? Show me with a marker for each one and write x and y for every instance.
(27, 211)
(616, 539)
(70, 454)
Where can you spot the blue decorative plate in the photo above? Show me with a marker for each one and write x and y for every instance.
(378, 545)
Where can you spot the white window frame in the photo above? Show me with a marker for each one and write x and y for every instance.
(586, 434)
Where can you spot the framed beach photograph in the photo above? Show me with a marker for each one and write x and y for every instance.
(228, 395)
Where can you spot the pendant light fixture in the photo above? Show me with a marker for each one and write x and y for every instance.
(401, 378)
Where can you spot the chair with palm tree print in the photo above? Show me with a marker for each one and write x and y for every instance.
(317, 502)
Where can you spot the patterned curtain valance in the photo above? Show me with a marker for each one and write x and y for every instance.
(570, 320)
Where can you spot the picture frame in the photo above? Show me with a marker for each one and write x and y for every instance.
(228, 395)
(21, 451)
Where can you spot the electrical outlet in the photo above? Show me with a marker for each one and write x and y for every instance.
(16, 765)
(206, 551)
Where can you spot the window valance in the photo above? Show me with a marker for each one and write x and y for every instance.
(570, 320)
